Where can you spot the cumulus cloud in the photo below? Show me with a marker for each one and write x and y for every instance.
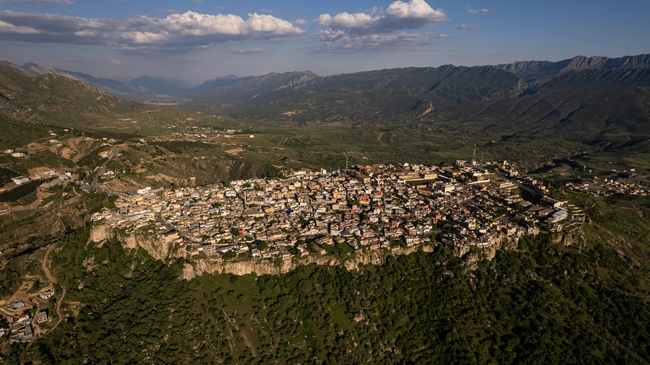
(479, 11)
(300, 21)
(469, 27)
(247, 50)
(116, 62)
(176, 33)
(377, 29)
(64, 2)
(400, 15)
(340, 41)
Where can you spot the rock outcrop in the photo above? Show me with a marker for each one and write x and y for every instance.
(100, 233)
(156, 247)
(264, 267)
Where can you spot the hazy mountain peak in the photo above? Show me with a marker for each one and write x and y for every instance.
(42, 69)
(18, 69)
(158, 85)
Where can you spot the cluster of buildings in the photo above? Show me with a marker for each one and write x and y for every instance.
(20, 326)
(20, 319)
(609, 186)
(56, 175)
(201, 132)
(364, 207)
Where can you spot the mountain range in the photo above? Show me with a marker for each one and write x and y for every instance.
(542, 71)
(143, 85)
(530, 94)
(533, 73)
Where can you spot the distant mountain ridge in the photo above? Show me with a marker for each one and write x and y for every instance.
(383, 95)
(42, 69)
(158, 85)
(542, 71)
(596, 79)
(143, 85)
(57, 100)
(247, 88)
(380, 96)
(219, 82)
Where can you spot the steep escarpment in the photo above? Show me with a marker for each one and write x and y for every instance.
(265, 267)
(155, 246)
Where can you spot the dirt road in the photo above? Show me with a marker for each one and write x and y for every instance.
(52, 279)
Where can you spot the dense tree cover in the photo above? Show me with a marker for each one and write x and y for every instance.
(6, 175)
(20, 191)
(9, 278)
(542, 304)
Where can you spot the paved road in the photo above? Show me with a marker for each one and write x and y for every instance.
(114, 153)
(24, 209)
(17, 210)
(90, 188)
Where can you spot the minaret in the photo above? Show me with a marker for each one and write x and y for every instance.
(347, 162)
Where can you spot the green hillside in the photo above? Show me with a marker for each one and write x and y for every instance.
(375, 96)
(594, 117)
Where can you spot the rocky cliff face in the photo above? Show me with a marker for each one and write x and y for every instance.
(101, 232)
(156, 247)
(264, 267)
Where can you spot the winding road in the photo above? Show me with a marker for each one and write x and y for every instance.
(114, 153)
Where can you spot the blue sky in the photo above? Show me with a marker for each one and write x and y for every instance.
(190, 41)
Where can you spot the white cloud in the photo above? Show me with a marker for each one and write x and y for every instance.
(247, 50)
(10, 28)
(399, 15)
(375, 29)
(469, 27)
(346, 20)
(84, 33)
(268, 11)
(340, 41)
(479, 11)
(300, 21)
(415, 9)
(116, 62)
(176, 33)
(64, 2)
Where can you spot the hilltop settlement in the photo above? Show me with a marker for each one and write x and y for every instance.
(466, 205)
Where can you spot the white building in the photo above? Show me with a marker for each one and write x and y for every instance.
(20, 180)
